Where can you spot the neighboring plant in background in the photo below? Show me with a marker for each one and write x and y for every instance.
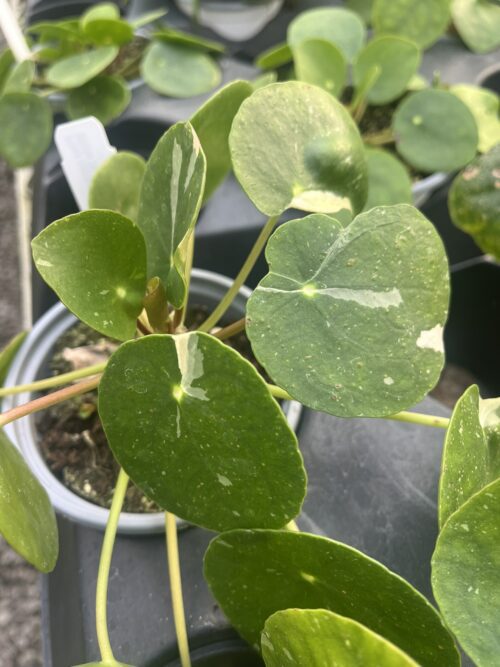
(426, 128)
(349, 320)
(91, 61)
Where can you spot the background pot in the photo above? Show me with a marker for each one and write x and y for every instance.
(30, 364)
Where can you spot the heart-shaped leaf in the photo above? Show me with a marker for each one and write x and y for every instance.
(339, 26)
(474, 201)
(484, 106)
(179, 71)
(398, 60)
(74, 71)
(478, 23)
(95, 261)
(26, 122)
(465, 580)
(195, 427)
(422, 21)
(105, 97)
(171, 195)
(276, 56)
(212, 123)
(350, 321)
(320, 62)
(27, 520)
(116, 185)
(185, 39)
(314, 637)
(435, 131)
(20, 78)
(388, 180)
(307, 154)
(255, 573)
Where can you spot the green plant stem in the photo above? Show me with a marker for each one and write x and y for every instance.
(404, 416)
(379, 138)
(231, 329)
(259, 244)
(56, 381)
(104, 567)
(174, 572)
(360, 100)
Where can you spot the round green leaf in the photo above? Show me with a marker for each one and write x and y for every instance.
(95, 261)
(102, 10)
(255, 573)
(474, 201)
(422, 21)
(116, 185)
(465, 579)
(195, 427)
(314, 637)
(337, 25)
(478, 23)
(178, 71)
(107, 32)
(321, 63)
(361, 7)
(398, 60)
(105, 97)
(20, 78)
(435, 131)
(185, 39)
(27, 520)
(484, 105)
(306, 154)
(350, 321)
(26, 128)
(388, 180)
(212, 123)
(276, 56)
(74, 71)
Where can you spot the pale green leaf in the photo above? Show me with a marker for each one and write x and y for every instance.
(388, 180)
(107, 32)
(100, 11)
(26, 128)
(6, 63)
(147, 18)
(8, 353)
(484, 105)
(320, 62)
(361, 7)
(116, 185)
(186, 39)
(478, 23)
(274, 57)
(105, 97)
(422, 21)
(74, 71)
(20, 78)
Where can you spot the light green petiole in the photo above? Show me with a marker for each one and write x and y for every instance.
(56, 381)
(174, 572)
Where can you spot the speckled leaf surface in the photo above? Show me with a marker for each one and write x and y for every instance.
(465, 579)
(484, 105)
(255, 573)
(478, 23)
(170, 200)
(320, 63)
(435, 131)
(116, 185)
(422, 21)
(474, 201)
(337, 25)
(388, 180)
(27, 520)
(317, 637)
(105, 97)
(306, 154)
(350, 321)
(195, 427)
(74, 71)
(95, 261)
(179, 71)
(212, 123)
(26, 128)
(398, 60)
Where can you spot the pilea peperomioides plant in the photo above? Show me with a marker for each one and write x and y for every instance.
(348, 320)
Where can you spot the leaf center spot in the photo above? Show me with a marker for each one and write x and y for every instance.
(121, 292)
(178, 392)
(309, 290)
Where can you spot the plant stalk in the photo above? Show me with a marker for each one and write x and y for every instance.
(174, 572)
(227, 300)
(104, 567)
(230, 330)
(56, 381)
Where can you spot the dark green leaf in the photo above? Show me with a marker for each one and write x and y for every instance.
(116, 185)
(478, 23)
(422, 21)
(484, 105)
(105, 97)
(315, 637)
(27, 520)
(171, 195)
(6, 62)
(350, 321)
(361, 7)
(195, 427)
(306, 154)
(435, 131)
(185, 39)
(26, 128)
(388, 180)
(465, 579)
(320, 62)
(255, 573)
(74, 71)
(274, 57)
(20, 78)
(95, 261)
(8, 353)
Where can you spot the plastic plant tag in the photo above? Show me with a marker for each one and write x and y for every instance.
(83, 146)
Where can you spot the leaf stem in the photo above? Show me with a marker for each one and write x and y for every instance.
(379, 138)
(231, 329)
(104, 567)
(56, 381)
(174, 572)
(259, 244)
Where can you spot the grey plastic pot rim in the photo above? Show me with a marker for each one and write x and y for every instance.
(25, 369)
(424, 187)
